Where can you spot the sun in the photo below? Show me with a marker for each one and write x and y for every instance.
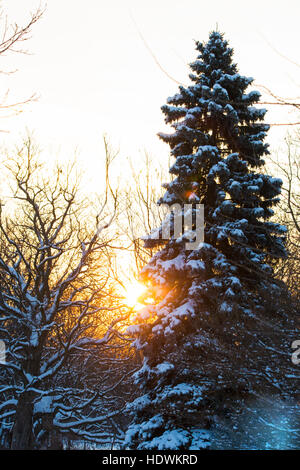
(133, 291)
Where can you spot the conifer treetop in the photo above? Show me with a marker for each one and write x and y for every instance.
(215, 110)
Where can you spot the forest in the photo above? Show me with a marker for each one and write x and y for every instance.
(161, 311)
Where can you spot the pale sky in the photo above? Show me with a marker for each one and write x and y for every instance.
(95, 75)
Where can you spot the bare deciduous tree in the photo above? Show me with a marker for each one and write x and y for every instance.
(289, 213)
(12, 39)
(57, 307)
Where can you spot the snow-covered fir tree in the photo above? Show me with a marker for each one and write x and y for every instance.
(210, 337)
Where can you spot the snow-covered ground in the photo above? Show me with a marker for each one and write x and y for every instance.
(264, 424)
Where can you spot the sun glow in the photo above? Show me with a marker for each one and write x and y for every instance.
(132, 294)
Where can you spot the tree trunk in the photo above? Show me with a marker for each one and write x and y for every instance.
(22, 429)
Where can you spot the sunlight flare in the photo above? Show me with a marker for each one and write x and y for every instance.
(133, 292)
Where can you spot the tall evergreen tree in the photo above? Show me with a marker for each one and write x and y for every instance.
(205, 338)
